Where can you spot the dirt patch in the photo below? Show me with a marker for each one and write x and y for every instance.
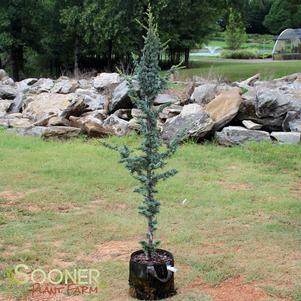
(235, 186)
(296, 190)
(231, 290)
(112, 250)
(12, 195)
(107, 205)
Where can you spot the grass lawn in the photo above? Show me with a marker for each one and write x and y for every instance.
(233, 71)
(236, 237)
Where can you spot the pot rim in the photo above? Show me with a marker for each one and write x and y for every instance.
(157, 264)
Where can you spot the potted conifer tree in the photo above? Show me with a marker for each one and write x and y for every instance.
(151, 274)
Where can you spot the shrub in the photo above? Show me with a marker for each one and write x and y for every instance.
(239, 54)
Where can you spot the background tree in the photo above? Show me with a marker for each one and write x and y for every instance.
(283, 14)
(186, 23)
(145, 164)
(256, 11)
(19, 31)
(235, 31)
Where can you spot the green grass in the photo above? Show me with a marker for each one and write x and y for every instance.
(259, 42)
(233, 71)
(60, 202)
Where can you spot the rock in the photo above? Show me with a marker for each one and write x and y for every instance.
(61, 132)
(236, 135)
(133, 124)
(170, 112)
(96, 127)
(4, 106)
(247, 111)
(44, 120)
(3, 74)
(249, 82)
(136, 113)
(85, 84)
(18, 103)
(224, 107)
(190, 109)
(42, 85)
(93, 100)
(28, 81)
(58, 121)
(7, 92)
(292, 122)
(166, 98)
(120, 97)
(275, 103)
(42, 105)
(196, 125)
(105, 80)
(10, 121)
(125, 114)
(204, 94)
(250, 125)
(288, 78)
(65, 86)
(76, 108)
(287, 137)
(117, 126)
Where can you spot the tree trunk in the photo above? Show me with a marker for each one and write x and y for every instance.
(76, 54)
(17, 58)
(187, 53)
(110, 53)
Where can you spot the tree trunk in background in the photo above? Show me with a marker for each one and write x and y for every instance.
(76, 54)
(187, 53)
(110, 53)
(17, 58)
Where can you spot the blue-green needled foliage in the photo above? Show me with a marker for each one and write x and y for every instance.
(147, 162)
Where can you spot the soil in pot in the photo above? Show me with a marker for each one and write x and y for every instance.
(150, 279)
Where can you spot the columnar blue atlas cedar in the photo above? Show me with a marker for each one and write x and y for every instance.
(148, 160)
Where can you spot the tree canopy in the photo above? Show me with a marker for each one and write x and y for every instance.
(53, 37)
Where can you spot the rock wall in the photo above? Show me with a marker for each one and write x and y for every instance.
(233, 113)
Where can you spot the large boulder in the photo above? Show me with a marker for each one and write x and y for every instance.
(65, 86)
(204, 94)
(120, 98)
(22, 87)
(287, 137)
(247, 111)
(61, 132)
(275, 103)
(195, 125)
(236, 135)
(105, 80)
(292, 122)
(42, 105)
(224, 107)
(7, 92)
(117, 126)
(42, 85)
(92, 99)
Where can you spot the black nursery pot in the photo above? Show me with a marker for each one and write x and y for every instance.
(151, 281)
